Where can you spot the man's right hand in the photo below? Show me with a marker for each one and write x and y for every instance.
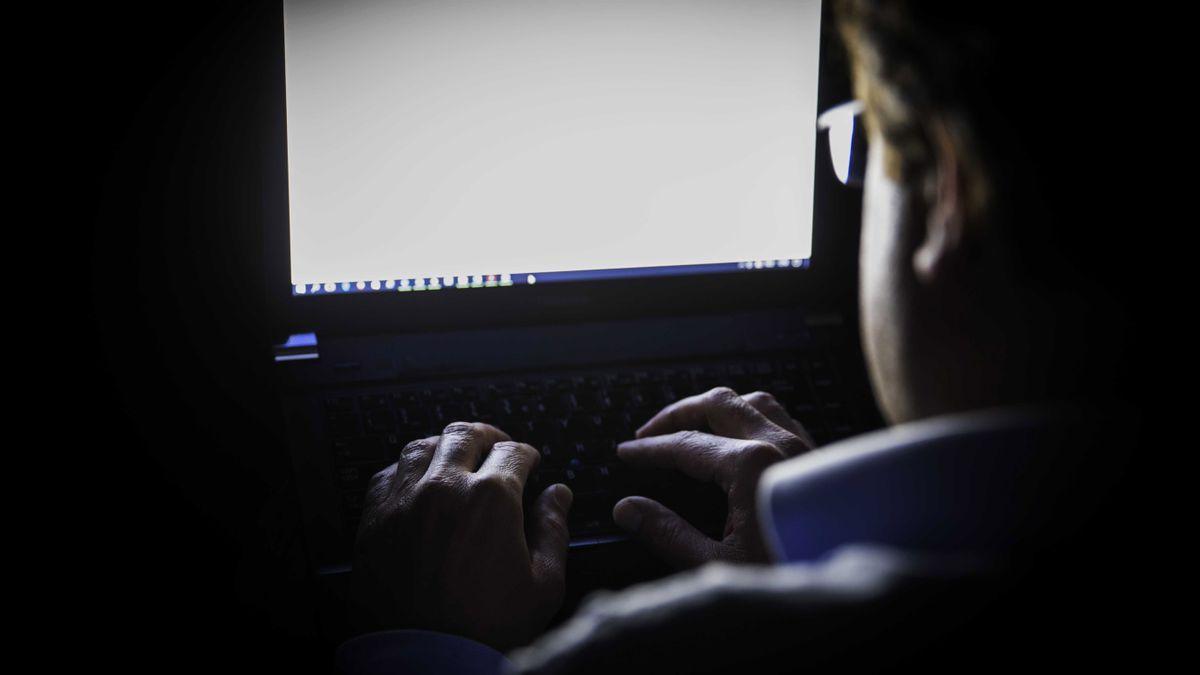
(749, 433)
(445, 543)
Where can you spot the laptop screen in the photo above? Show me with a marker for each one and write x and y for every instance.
(438, 144)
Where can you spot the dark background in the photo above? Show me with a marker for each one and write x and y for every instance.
(175, 530)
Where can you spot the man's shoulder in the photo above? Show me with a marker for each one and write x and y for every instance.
(723, 617)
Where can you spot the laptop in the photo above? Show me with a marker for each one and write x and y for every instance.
(555, 218)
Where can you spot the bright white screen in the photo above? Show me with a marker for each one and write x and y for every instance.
(444, 137)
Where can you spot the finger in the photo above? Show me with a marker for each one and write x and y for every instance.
(548, 535)
(509, 458)
(721, 409)
(773, 410)
(382, 485)
(462, 445)
(664, 532)
(702, 456)
(414, 461)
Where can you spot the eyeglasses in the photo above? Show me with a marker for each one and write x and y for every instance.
(847, 141)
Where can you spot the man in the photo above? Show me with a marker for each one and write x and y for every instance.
(980, 291)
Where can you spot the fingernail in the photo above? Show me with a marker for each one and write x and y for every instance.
(627, 515)
(562, 495)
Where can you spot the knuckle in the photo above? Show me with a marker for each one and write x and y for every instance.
(759, 453)
(720, 394)
(436, 483)
(459, 429)
(381, 481)
(439, 489)
(522, 449)
(384, 475)
(517, 454)
(798, 444)
(504, 448)
(760, 397)
(531, 453)
(494, 486)
(414, 447)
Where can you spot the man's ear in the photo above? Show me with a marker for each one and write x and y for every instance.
(943, 243)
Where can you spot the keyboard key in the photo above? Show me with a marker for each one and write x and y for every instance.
(343, 424)
(582, 478)
(362, 448)
(374, 401)
(554, 455)
(591, 511)
(595, 400)
(356, 478)
(353, 499)
(339, 404)
(527, 406)
(455, 411)
(380, 421)
(560, 404)
(584, 426)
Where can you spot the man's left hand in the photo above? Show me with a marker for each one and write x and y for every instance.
(749, 433)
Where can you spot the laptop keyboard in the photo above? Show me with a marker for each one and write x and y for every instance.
(576, 419)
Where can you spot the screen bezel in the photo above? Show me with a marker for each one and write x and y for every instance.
(827, 282)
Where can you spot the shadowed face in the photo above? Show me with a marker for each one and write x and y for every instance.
(886, 282)
(939, 331)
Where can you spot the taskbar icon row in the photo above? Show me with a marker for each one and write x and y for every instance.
(435, 283)
(773, 264)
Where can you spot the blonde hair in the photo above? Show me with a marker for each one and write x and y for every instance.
(902, 74)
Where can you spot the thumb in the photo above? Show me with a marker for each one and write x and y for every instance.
(548, 535)
(664, 532)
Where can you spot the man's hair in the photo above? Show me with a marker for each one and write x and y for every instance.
(1009, 84)
(1026, 98)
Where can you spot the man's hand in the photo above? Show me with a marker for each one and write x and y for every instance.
(444, 543)
(749, 433)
